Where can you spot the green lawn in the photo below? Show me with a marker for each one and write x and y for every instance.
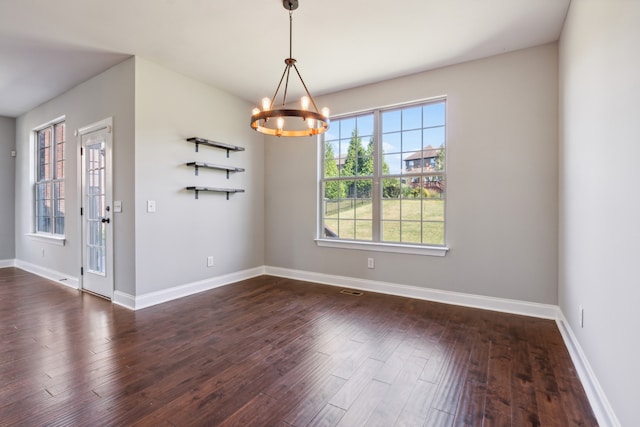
(403, 220)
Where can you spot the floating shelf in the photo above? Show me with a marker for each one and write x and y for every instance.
(202, 141)
(216, 190)
(198, 165)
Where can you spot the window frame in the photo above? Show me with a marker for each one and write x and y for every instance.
(54, 235)
(377, 244)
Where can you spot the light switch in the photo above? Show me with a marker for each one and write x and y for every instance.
(117, 206)
(151, 206)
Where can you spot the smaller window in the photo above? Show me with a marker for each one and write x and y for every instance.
(49, 185)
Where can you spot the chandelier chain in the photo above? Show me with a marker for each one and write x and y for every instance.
(290, 33)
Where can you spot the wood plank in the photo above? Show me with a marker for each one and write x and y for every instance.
(398, 394)
(454, 376)
(498, 400)
(354, 386)
(329, 416)
(524, 404)
(417, 408)
(361, 409)
(315, 399)
(470, 410)
(439, 418)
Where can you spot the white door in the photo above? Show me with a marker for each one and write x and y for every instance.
(97, 219)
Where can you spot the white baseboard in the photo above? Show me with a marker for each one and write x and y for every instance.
(598, 400)
(47, 273)
(124, 299)
(4, 263)
(545, 311)
(165, 295)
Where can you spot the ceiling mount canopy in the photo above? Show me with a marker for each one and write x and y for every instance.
(277, 120)
(290, 4)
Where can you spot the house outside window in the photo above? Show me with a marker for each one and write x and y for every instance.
(49, 185)
(383, 176)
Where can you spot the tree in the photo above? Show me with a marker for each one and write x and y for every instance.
(440, 159)
(358, 163)
(333, 189)
(367, 164)
(391, 187)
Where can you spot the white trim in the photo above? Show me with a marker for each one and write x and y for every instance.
(99, 125)
(165, 295)
(391, 106)
(599, 402)
(4, 263)
(48, 238)
(545, 311)
(47, 273)
(49, 123)
(125, 300)
(383, 247)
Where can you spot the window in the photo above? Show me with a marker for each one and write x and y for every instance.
(383, 177)
(49, 186)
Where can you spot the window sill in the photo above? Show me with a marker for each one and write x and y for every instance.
(383, 247)
(48, 238)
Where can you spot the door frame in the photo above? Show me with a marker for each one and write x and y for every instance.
(105, 124)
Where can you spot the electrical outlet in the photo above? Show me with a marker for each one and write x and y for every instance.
(151, 206)
(371, 263)
(581, 313)
(210, 261)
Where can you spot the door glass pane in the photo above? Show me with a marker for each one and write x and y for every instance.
(95, 194)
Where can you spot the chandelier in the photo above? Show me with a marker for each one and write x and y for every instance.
(307, 120)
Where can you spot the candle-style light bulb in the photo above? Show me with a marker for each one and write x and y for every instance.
(304, 101)
(311, 123)
(266, 104)
(280, 123)
(325, 112)
(255, 111)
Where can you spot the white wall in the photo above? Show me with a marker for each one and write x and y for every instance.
(172, 244)
(599, 178)
(110, 94)
(502, 184)
(154, 110)
(7, 188)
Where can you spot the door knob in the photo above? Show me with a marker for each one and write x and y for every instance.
(107, 220)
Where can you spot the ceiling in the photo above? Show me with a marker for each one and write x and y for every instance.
(48, 47)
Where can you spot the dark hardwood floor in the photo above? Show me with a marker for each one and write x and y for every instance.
(276, 352)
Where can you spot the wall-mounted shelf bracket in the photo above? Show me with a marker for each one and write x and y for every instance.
(198, 165)
(216, 190)
(209, 143)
